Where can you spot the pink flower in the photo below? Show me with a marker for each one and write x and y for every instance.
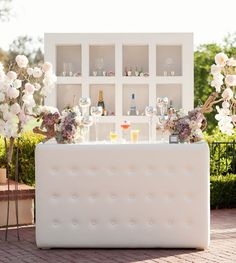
(227, 94)
(233, 117)
(221, 59)
(12, 75)
(47, 66)
(230, 80)
(22, 61)
(29, 88)
(13, 93)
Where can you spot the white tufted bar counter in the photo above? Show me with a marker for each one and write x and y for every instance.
(122, 195)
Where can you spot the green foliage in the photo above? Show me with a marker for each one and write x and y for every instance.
(221, 157)
(27, 144)
(203, 59)
(223, 191)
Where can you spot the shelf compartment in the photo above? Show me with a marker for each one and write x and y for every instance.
(103, 131)
(172, 92)
(141, 92)
(143, 131)
(168, 59)
(67, 95)
(135, 56)
(108, 95)
(68, 54)
(101, 58)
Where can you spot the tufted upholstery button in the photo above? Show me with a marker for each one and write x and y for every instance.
(113, 196)
(74, 196)
(94, 196)
(132, 222)
(56, 223)
(150, 222)
(131, 196)
(150, 196)
(94, 222)
(54, 171)
(75, 222)
(55, 196)
(113, 222)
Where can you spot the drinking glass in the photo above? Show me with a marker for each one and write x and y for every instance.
(162, 103)
(125, 126)
(113, 136)
(150, 112)
(65, 69)
(99, 65)
(85, 103)
(134, 136)
(96, 112)
(70, 69)
(87, 121)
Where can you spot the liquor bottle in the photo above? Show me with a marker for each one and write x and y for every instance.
(132, 110)
(101, 102)
(171, 109)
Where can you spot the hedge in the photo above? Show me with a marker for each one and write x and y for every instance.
(27, 144)
(223, 191)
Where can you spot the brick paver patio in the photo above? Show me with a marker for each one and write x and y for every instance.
(222, 248)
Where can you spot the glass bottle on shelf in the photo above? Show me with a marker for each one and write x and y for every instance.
(171, 109)
(133, 109)
(101, 102)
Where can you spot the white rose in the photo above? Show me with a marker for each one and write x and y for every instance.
(37, 72)
(227, 94)
(3, 107)
(22, 61)
(47, 66)
(17, 83)
(2, 97)
(230, 80)
(15, 108)
(13, 93)
(221, 59)
(7, 115)
(12, 75)
(30, 71)
(29, 88)
(231, 62)
(225, 105)
(215, 69)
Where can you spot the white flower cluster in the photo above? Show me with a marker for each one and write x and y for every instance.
(17, 102)
(224, 82)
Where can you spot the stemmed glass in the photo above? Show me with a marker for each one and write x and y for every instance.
(96, 112)
(85, 103)
(162, 103)
(125, 126)
(99, 65)
(87, 121)
(150, 111)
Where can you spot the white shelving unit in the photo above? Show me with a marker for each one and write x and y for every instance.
(166, 57)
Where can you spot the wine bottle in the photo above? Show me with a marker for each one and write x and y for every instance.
(101, 101)
(133, 110)
(171, 109)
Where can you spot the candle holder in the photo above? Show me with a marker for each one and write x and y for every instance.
(96, 112)
(150, 112)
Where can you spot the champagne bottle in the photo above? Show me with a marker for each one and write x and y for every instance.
(101, 102)
(133, 110)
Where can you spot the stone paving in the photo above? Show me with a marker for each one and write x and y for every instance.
(222, 248)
